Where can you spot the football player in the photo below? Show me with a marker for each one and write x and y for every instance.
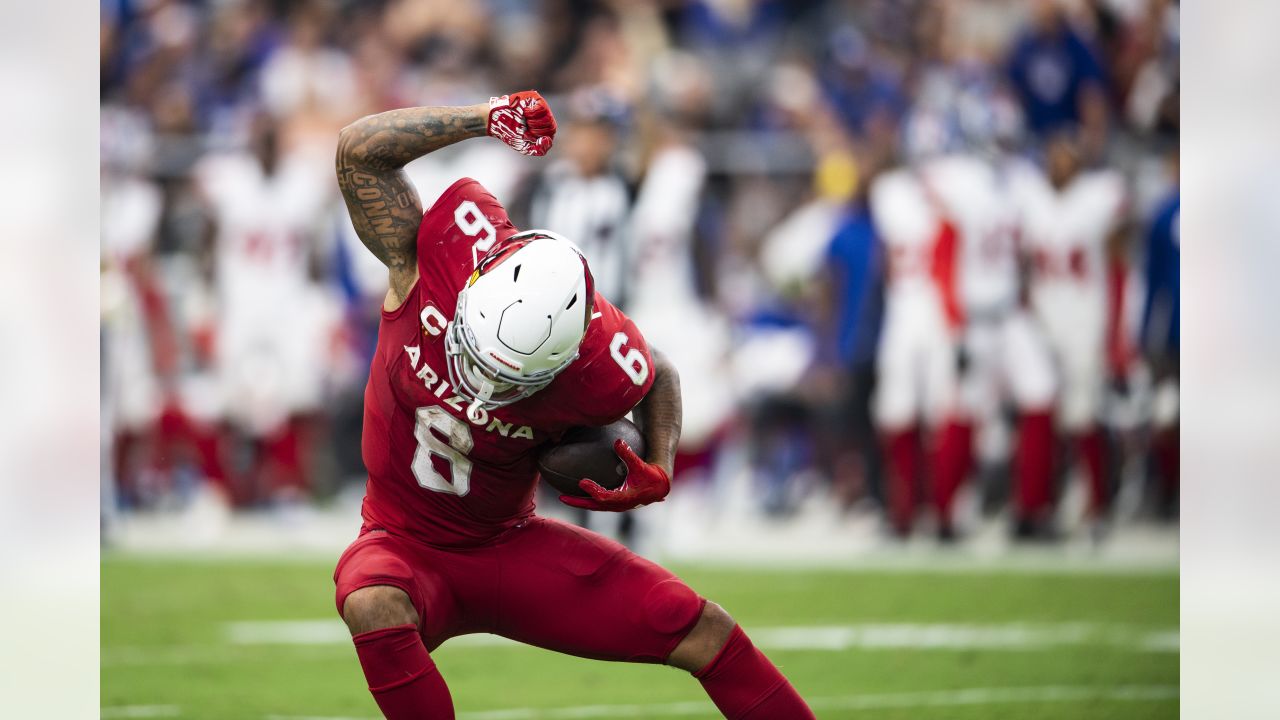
(493, 342)
(1071, 221)
(1160, 332)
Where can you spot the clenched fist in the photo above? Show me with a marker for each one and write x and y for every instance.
(524, 121)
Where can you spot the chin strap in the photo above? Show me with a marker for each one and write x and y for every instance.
(486, 390)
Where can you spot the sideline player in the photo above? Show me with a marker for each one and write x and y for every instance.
(1003, 358)
(1159, 337)
(1072, 226)
(493, 343)
(915, 362)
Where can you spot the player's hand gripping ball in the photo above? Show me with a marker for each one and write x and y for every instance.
(524, 121)
(598, 469)
(644, 484)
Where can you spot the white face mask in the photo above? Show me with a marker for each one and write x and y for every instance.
(487, 386)
(476, 382)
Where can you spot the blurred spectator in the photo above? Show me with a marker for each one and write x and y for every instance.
(583, 196)
(1150, 71)
(303, 71)
(864, 88)
(1058, 77)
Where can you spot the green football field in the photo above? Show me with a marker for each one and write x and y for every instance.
(259, 639)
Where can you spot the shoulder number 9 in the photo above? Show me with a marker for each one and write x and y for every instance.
(473, 223)
(632, 362)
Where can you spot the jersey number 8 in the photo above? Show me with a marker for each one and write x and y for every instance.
(454, 452)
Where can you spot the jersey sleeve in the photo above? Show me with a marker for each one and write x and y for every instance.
(891, 208)
(215, 178)
(614, 370)
(461, 226)
(1110, 199)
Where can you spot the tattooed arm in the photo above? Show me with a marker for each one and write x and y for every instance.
(384, 206)
(373, 151)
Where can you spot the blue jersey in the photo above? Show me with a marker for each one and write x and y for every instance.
(1048, 72)
(1160, 312)
(853, 260)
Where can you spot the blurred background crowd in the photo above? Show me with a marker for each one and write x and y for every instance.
(913, 259)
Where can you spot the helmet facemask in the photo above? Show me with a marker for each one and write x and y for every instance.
(483, 380)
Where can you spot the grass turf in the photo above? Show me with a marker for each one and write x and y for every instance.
(164, 644)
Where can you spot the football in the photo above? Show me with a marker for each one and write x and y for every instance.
(587, 452)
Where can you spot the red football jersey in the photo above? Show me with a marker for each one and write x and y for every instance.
(435, 473)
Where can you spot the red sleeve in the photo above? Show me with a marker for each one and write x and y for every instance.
(1119, 350)
(614, 370)
(945, 259)
(944, 268)
(155, 309)
(461, 226)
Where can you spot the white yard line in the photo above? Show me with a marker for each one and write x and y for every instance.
(140, 711)
(832, 638)
(323, 638)
(996, 696)
(287, 632)
(212, 654)
(932, 698)
(315, 717)
(941, 698)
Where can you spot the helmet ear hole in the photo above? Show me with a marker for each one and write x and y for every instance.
(516, 276)
(572, 300)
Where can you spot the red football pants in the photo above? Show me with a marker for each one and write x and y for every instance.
(549, 584)
(546, 583)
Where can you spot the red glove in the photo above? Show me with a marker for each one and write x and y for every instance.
(524, 121)
(645, 484)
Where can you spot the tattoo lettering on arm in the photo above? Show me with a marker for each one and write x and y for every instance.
(385, 211)
(384, 206)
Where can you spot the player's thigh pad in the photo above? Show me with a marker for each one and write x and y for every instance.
(1027, 363)
(376, 558)
(979, 393)
(1164, 404)
(897, 395)
(570, 590)
(941, 380)
(1080, 403)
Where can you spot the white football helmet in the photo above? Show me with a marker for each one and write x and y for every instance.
(520, 319)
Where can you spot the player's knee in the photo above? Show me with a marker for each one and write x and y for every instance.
(705, 640)
(716, 624)
(378, 606)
